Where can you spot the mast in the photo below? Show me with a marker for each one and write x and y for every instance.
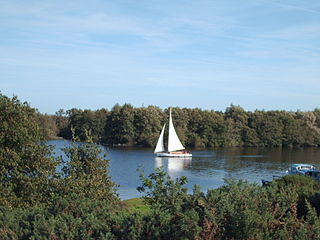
(160, 143)
(174, 143)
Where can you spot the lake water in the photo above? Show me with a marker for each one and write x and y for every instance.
(207, 168)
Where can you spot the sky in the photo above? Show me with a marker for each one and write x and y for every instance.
(259, 54)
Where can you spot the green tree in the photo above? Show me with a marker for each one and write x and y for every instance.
(316, 113)
(269, 128)
(173, 213)
(237, 119)
(120, 125)
(147, 125)
(86, 172)
(99, 125)
(62, 123)
(47, 125)
(291, 135)
(249, 133)
(26, 165)
(310, 131)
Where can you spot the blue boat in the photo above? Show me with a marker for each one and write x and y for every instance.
(304, 169)
(300, 168)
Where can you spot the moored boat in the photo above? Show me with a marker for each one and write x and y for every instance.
(304, 169)
(300, 168)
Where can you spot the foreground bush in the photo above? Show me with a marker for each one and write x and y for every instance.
(287, 209)
(36, 201)
(26, 165)
(70, 218)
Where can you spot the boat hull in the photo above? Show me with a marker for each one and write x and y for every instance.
(176, 155)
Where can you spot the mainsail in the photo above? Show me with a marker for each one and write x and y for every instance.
(160, 143)
(174, 143)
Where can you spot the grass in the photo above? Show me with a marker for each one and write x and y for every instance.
(135, 205)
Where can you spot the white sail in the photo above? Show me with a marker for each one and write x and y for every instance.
(174, 143)
(160, 143)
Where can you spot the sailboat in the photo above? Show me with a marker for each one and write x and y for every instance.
(174, 145)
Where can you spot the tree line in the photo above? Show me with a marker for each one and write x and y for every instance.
(130, 126)
(79, 201)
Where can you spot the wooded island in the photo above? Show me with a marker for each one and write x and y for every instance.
(130, 126)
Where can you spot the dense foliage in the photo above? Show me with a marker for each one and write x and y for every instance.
(126, 125)
(36, 200)
(26, 163)
(286, 209)
(79, 202)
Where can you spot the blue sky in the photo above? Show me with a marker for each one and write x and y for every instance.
(259, 54)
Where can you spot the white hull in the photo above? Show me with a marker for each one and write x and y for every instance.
(177, 155)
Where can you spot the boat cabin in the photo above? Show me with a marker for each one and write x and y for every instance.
(300, 168)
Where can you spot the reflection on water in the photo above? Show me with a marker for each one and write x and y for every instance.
(172, 164)
(206, 168)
